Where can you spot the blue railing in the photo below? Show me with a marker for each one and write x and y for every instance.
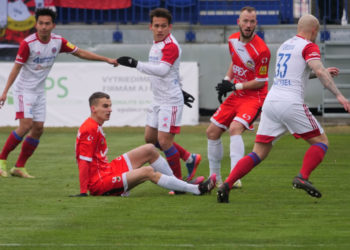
(206, 12)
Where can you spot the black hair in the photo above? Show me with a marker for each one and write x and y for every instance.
(161, 12)
(45, 12)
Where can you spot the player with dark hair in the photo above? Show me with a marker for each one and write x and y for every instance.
(284, 109)
(35, 57)
(100, 177)
(247, 77)
(164, 116)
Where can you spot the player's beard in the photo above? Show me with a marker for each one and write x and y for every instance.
(244, 36)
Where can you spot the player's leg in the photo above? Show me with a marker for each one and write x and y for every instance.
(236, 146)
(140, 175)
(302, 124)
(148, 154)
(29, 145)
(192, 160)
(215, 150)
(243, 167)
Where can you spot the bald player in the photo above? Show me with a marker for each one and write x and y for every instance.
(284, 109)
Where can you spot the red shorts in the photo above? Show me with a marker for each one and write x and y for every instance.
(244, 109)
(113, 183)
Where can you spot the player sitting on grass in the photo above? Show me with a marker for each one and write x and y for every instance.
(124, 172)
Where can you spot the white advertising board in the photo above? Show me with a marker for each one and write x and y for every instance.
(70, 84)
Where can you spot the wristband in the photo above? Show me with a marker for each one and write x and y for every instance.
(226, 78)
(239, 86)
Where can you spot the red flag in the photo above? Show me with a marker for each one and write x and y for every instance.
(94, 4)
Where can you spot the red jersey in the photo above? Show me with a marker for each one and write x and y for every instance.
(250, 62)
(91, 154)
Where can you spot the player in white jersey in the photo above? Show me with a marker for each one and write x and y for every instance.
(164, 116)
(35, 57)
(284, 109)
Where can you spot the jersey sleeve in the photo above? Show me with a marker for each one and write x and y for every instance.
(262, 66)
(67, 46)
(311, 52)
(83, 175)
(86, 145)
(23, 53)
(170, 53)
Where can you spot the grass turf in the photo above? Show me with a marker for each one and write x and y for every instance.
(265, 214)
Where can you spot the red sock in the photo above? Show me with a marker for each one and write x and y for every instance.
(242, 168)
(184, 154)
(12, 141)
(312, 158)
(28, 147)
(173, 158)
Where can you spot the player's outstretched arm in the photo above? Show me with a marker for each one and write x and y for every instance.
(326, 79)
(87, 55)
(12, 77)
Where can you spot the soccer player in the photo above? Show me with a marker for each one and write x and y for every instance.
(123, 173)
(247, 76)
(34, 60)
(284, 108)
(164, 116)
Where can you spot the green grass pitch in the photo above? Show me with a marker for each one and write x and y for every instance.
(265, 214)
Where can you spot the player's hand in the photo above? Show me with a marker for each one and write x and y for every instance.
(79, 195)
(127, 61)
(333, 71)
(3, 98)
(223, 88)
(188, 99)
(114, 62)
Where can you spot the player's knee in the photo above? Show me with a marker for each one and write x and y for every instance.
(213, 133)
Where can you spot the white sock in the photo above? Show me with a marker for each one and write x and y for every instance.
(215, 154)
(162, 166)
(189, 159)
(236, 149)
(173, 183)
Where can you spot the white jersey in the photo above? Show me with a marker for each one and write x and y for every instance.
(166, 89)
(37, 58)
(292, 70)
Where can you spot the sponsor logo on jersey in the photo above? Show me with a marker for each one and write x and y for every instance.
(314, 54)
(54, 50)
(70, 45)
(239, 70)
(263, 70)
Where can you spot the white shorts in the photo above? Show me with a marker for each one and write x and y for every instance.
(165, 118)
(278, 117)
(30, 105)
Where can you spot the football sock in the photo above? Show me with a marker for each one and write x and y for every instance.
(172, 183)
(11, 143)
(28, 147)
(184, 154)
(236, 149)
(173, 158)
(312, 158)
(215, 154)
(162, 166)
(242, 168)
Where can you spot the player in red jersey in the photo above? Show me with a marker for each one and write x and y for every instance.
(35, 57)
(297, 59)
(247, 76)
(100, 177)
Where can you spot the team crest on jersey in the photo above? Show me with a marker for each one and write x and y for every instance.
(264, 60)
(250, 64)
(70, 45)
(54, 50)
(263, 70)
(116, 179)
